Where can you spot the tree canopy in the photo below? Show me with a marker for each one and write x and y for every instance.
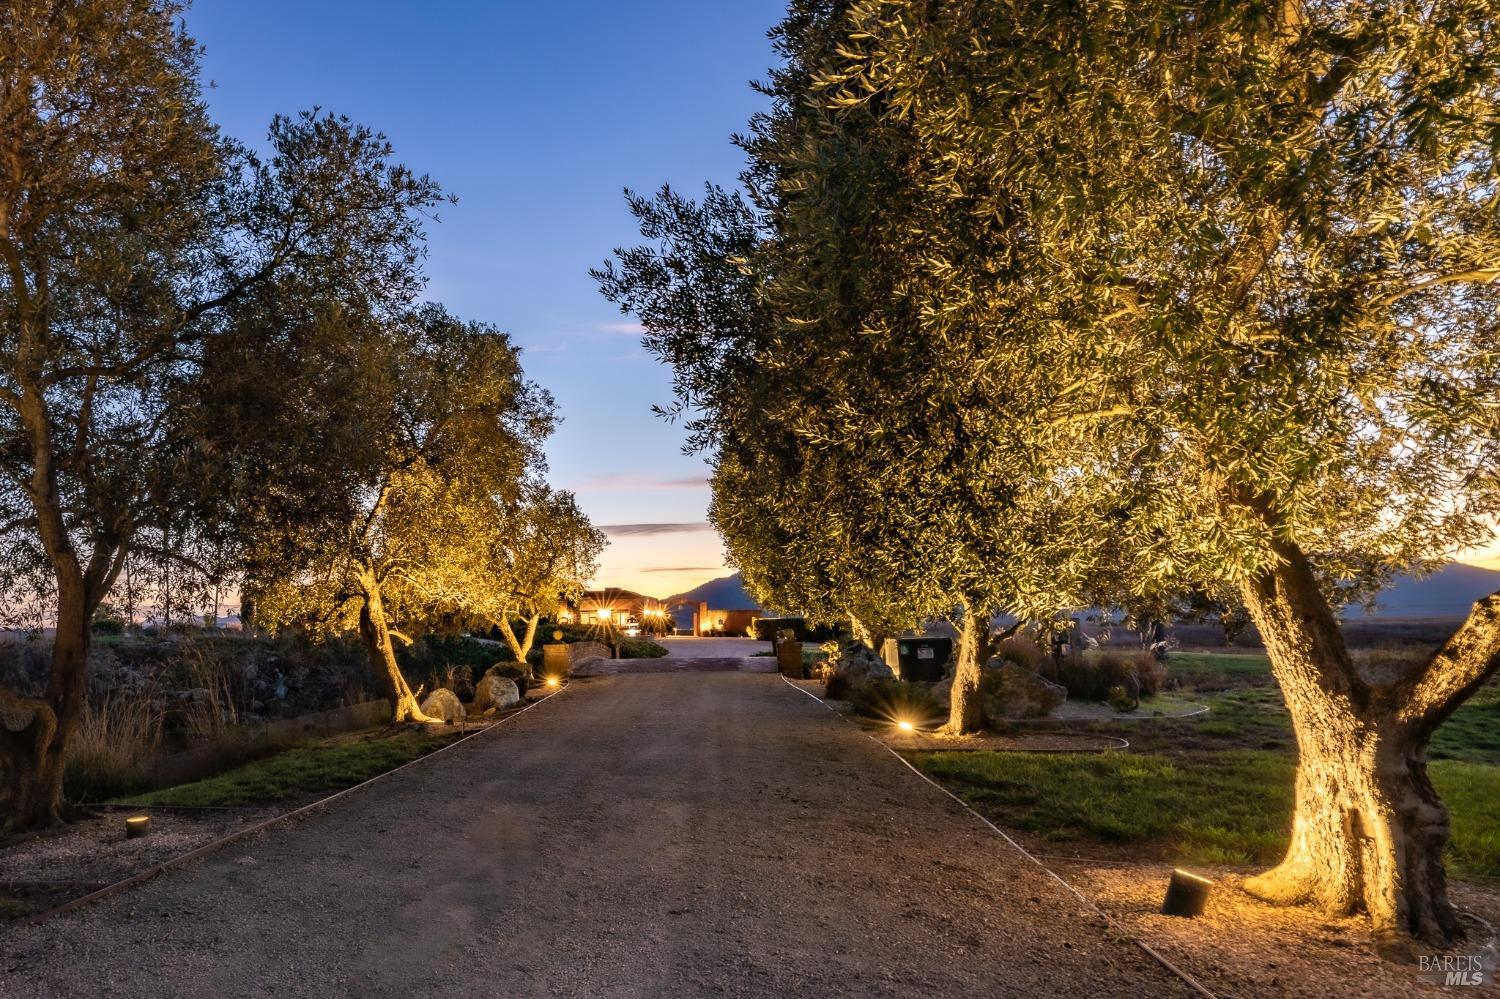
(1107, 303)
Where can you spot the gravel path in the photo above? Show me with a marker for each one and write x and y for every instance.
(667, 664)
(656, 835)
(687, 647)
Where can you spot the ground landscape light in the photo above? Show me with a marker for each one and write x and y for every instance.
(1187, 895)
(905, 726)
(137, 826)
(553, 681)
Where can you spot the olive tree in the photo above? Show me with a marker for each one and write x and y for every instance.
(1260, 243)
(858, 474)
(130, 234)
(439, 426)
(537, 553)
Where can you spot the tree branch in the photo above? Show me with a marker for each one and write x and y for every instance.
(1463, 665)
(1479, 275)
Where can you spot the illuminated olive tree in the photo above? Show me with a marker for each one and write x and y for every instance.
(538, 553)
(1260, 245)
(858, 476)
(449, 428)
(131, 233)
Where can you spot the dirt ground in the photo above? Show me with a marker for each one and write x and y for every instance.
(685, 834)
(1242, 946)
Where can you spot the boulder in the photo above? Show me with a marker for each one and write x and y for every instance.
(942, 692)
(1010, 690)
(444, 704)
(496, 692)
(857, 662)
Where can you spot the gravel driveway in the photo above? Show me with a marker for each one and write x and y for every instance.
(687, 647)
(687, 834)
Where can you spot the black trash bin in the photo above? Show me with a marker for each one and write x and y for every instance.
(919, 660)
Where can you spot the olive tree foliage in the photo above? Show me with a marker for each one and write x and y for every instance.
(439, 430)
(131, 235)
(536, 553)
(1260, 244)
(865, 465)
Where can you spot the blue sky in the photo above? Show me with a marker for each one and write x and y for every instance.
(536, 116)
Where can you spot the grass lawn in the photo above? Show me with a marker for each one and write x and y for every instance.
(1216, 790)
(1233, 807)
(320, 767)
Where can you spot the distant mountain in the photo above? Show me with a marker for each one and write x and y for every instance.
(727, 593)
(1448, 592)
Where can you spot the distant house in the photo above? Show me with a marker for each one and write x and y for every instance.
(717, 607)
(698, 618)
(613, 606)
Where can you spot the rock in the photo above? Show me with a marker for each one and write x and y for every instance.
(857, 662)
(1013, 691)
(444, 704)
(496, 691)
(942, 692)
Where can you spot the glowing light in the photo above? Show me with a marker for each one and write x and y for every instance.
(553, 681)
(605, 613)
(906, 726)
(137, 826)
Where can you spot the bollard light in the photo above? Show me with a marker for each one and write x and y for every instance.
(137, 826)
(1187, 895)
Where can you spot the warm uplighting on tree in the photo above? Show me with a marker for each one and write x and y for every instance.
(1107, 301)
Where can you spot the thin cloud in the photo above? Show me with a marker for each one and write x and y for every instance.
(623, 329)
(634, 480)
(652, 530)
(683, 568)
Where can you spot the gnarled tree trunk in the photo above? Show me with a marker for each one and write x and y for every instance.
(34, 731)
(519, 647)
(964, 714)
(1369, 831)
(376, 633)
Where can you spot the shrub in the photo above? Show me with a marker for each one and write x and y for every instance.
(1151, 672)
(639, 648)
(1022, 651)
(767, 628)
(1121, 699)
(838, 687)
(1090, 676)
(106, 622)
(890, 699)
(437, 652)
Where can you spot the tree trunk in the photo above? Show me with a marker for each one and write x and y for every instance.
(31, 791)
(964, 715)
(861, 633)
(519, 647)
(1369, 831)
(376, 633)
(34, 733)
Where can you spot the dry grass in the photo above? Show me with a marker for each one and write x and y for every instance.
(108, 752)
(213, 716)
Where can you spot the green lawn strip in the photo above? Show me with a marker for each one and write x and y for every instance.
(1231, 807)
(1219, 670)
(324, 766)
(1247, 711)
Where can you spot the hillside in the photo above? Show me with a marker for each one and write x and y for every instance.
(726, 593)
(1446, 593)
